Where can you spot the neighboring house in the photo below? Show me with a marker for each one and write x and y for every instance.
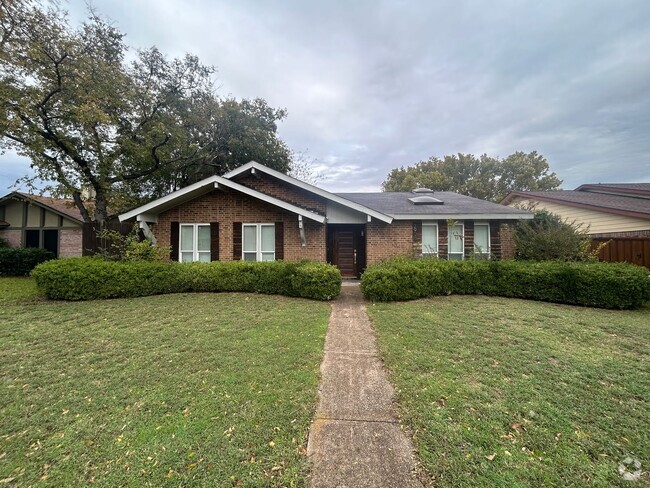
(54, 224)
(255, 213)
(616, 212)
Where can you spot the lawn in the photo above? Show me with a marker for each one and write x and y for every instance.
(503, 392)
(201, 389)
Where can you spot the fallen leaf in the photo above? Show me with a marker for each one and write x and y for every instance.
(272, 444)
(491, 456)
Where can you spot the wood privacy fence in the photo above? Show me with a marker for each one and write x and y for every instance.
(92, 243)
(625, 249)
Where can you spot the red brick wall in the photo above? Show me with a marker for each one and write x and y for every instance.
(14, 237)
(70, 243)
(507, 241)
(231, 206)
(284, 191)
(388, 240)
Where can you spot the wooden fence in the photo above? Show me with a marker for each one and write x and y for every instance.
(625, 249)
(92, 243)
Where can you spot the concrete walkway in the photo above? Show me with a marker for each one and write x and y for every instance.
(355, 440)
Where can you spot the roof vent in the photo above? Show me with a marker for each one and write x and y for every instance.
(425, 200)
(422, 190)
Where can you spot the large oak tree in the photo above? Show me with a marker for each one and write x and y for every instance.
(92, 115)
(484, 177)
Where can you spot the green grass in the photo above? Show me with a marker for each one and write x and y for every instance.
(200, 389)
(559, 395)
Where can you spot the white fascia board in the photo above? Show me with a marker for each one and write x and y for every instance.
(206, 184)
(253, 165)
(517, 216)
(219, 180)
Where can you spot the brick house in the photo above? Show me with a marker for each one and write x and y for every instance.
(29, 220)
(255, 213)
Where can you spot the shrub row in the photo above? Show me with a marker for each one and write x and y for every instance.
(592, 284)
(21, 261)
(94, 278)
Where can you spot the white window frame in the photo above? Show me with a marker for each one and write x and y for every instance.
(195, 242)
(258, 241)
(487, 251)
(425, 251)
(462, 241)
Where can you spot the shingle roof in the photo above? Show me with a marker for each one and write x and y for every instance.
(3, 224)
(397, 203)
(605, 202)
(629, 188)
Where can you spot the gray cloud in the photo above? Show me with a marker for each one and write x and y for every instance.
(373, 85)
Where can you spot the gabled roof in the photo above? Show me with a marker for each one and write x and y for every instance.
(253, 166)
(204, 186)
(64, 207)
(603, 202)
(454, 205)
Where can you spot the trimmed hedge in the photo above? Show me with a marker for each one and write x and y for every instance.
(93, 278)
(592, 284)
(20, 261)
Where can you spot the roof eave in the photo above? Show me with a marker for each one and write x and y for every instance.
(466, 216)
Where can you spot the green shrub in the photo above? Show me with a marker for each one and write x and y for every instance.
(3, 243)
(21, 261)
(95, 278)
(592, 284)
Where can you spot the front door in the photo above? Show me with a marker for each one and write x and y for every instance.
(346, 249)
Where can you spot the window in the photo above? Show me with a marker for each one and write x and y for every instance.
(482, 241)
(195, 243)
(258, 242)
(43, 238)
(429, 239)
(456, 244)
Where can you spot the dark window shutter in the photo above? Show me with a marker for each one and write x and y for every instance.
(236, 241)
(173, 241)
(279, 240)
(417, 233)
(214, 241)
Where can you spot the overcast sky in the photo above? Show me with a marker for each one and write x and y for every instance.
(374, 85)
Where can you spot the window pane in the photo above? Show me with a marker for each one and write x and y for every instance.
(204, 257)
(204, 238)
(429, 239)
(456, 238)
(187, 257)
(250, 239)
(481, 243)
(455, 257)
(268, 256)
(250, 256)
(32, 238)
(268, 238)
(187, 237)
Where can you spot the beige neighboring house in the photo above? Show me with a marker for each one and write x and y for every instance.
(615, 212)
(54, 224)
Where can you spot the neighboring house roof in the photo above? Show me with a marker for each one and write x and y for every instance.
(253, 166)
(638, 189)
(3, 224)
(399, 205)
(61, 206)
(631, 206)
(202, 187)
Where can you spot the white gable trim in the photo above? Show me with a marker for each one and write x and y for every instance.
(204, 186)
(255, 166)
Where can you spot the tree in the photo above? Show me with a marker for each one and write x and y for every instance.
(548, 237)
(128, 131)
(484, 177)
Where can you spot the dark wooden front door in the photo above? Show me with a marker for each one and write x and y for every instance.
(347, 249)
